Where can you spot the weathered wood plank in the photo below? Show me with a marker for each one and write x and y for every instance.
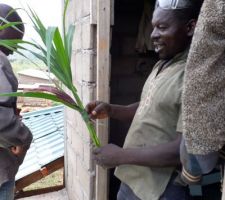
(45, 171)
(93, 12)
(103, 91)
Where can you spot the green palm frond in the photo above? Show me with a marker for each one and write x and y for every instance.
(55, 52)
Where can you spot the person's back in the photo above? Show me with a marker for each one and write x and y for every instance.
(15, 137)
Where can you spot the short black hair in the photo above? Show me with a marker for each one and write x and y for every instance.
(10, 14)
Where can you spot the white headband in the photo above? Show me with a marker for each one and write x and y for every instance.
(173, 4)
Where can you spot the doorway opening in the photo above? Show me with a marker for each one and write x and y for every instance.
(132, 61)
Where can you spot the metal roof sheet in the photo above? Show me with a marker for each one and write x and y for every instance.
(47, 126)
(37, 74)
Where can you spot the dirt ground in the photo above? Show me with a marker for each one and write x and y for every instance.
(60, 195)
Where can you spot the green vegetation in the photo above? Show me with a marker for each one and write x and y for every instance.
(55, 53)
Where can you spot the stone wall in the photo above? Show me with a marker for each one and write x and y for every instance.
(80, 174)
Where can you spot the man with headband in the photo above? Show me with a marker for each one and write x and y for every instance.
(147, 162)
(15, 137)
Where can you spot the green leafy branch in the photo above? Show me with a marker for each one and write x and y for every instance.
(55, 52)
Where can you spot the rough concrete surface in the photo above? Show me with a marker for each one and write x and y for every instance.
(60, 195)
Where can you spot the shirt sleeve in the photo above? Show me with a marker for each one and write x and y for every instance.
(180, 123)
(179, 105)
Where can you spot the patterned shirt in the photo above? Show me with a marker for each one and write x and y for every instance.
(157, 121)
(204, 83)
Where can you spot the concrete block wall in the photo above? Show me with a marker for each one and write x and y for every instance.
(79, 169)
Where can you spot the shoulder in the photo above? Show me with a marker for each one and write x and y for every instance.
(180, 60)
(6, 72)
(3, 60)
(178, 67)
(5, 66)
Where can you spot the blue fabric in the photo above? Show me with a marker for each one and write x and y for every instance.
(194, 166)
(175, 191)
(7, 190)
(125, 193)
(172, 192)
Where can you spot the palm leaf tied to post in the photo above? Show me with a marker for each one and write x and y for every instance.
(55, 52)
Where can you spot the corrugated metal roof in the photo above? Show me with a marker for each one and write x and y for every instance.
(47, 126)
(36, 74)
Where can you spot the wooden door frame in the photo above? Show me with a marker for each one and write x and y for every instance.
(104, 21)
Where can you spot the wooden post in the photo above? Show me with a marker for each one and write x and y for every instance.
(223, 186)
(103, 91)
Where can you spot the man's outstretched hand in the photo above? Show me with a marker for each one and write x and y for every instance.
(108, 156)
(98, 110)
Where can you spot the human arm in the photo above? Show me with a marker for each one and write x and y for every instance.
(162, 155)
(14, 135)
(17, 150)
(101, 110)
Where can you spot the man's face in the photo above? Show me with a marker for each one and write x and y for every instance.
(169, 35)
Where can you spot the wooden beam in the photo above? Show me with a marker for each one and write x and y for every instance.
(45, 171)
(112, 13)
(103, 78)
(223, 189)
(29, 193)
(93, 12)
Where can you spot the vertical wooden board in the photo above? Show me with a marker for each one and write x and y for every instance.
(103, 60)
(103, 46)
(223, 190)
(103, 77)
(93, 13)
(112, 11)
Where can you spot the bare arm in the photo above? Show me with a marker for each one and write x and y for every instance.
(101, 110)
(14, 135)
(123, 113)
(163, 155)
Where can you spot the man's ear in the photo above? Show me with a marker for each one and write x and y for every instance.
(191, 27)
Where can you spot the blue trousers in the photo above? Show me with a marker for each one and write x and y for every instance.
(7, 190)
(172, 192)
